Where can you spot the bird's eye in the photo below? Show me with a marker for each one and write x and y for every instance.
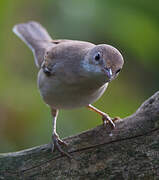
(97, 56)
(118, 71)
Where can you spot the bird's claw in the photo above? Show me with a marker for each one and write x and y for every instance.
(106, 119)
(56, 143)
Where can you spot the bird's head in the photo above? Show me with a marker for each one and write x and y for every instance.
(103, 61)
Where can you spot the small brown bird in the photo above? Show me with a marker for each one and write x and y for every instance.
(72, 73)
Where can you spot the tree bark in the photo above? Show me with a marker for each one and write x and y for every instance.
(130, 151)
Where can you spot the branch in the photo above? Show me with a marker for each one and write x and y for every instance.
(130, 151)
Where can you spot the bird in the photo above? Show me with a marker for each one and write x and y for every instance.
(72, 73)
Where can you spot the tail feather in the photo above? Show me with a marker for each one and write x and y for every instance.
(36, 38)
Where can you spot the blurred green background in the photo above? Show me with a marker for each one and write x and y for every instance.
(132, 26)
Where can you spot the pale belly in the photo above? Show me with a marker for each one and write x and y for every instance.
(63, 96)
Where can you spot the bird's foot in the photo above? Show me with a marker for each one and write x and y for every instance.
(56, 143)
(106, 119)
(116, 119)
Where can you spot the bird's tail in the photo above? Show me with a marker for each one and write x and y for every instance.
(35, 36)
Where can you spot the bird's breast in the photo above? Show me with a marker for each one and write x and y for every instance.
(61, 95)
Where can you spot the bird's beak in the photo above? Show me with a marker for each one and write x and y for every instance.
(108, 72)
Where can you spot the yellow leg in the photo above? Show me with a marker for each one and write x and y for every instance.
(105, 117)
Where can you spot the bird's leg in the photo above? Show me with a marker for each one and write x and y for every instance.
(105, 117)
(56, 141)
